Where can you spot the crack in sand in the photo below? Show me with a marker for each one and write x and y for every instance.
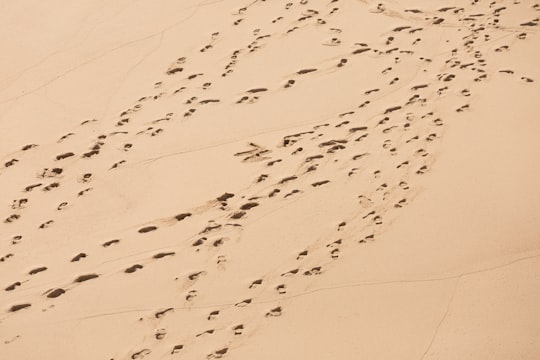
(336, 287)
(95, 58)
(441, 321)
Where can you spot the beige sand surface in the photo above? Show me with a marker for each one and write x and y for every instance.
(338, 179)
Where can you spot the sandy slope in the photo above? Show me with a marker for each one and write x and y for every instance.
(270, 179)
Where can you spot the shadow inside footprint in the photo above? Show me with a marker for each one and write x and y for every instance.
(305, 71)
(218, 353)
(64, 156)
(37, 270)
(255, 283)
(243, 303)
(147, 229)
(133, 268)
(18, 307)
(213, 315)
(140, 354)
(161, 313)
(238, 329)
(274, 312)
(13, 286)
(249, 205)
(163, 254)
(176, 349)
(181, 217)
(110, 242)
(78, 257)
(86, 277)
(55, 293)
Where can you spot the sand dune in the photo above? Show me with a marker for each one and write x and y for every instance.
(270, 179)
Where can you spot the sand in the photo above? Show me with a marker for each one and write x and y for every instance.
(339, 179)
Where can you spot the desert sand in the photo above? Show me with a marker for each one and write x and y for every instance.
(251, 179)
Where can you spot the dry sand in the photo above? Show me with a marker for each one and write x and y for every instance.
(270, 180)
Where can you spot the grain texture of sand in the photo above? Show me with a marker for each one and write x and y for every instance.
(268, 179)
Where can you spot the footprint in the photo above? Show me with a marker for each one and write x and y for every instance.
(161, 313)
(211, 331)
(290, 272)
(194, 276)
(163, 254)
(192, 294)
(302, 255)
(274, 192)
(31, 187)
(160, 334)
(291, 193)
(176, 349)
(281, 289)
(221, 260)
(90, 153)
(86, 178)
(400, 203)
(332, 42)
(37, 270)
(115, 165)
(51, 186)
(287, 179)
(13, 286)
(274, 312)
(12, 218)
(18, 307)
(371, 91)
(133, 268)
(11, 162)
(438, 122)
(292, 29)
(28, 147)
(256, 283)
(199, 242)
(360, 51)
(65, 137)
(238, 329)
(462, 108)
(147, 229)
(404, 185)
(422, 170)
(78, 257)
(217, 354)
(141, 354)
(314, 271)
(16, 239)
(110, 242)
(289, 83)
(319, 183)
(64, 156)
(243, 303)
(366, 239)
(305, 71)
(82, 192)
(6, 257)
(86, 277)
(52, 294)
(182, 216)
(213, 315)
